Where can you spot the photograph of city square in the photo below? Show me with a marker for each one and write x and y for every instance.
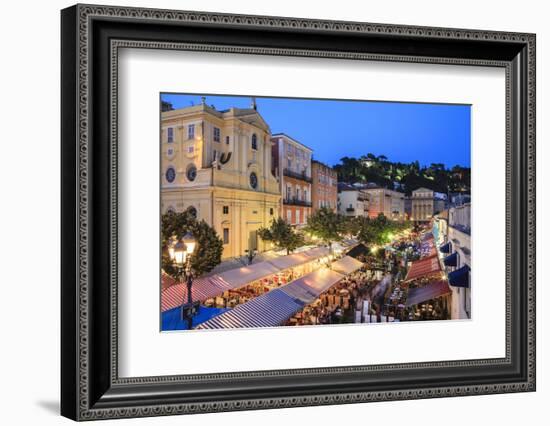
(312, 212)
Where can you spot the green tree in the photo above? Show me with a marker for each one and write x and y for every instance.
(380, 230)
(326, 225)
(208, 252)
(166, 106)
(282, 235)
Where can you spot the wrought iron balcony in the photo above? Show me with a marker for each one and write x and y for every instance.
(296, 202)
(299, 176)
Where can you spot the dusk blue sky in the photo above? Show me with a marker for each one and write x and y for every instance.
(429, 133)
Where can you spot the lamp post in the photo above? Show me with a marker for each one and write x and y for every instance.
(180, 252)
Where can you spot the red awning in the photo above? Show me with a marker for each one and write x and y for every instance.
(166, 281)
(203, 288)
(423, 268)
(428, 292)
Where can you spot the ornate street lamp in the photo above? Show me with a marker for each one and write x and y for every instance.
(180, 252)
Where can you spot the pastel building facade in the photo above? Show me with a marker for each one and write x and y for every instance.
(459, 239)
(324, 187)
(352, 201)
(422, 205)
(387, 202)
(292, 164)
(217, 165)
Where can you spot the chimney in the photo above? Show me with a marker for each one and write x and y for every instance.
(253, 103)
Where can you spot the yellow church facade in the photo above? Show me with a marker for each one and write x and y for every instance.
(217, 164)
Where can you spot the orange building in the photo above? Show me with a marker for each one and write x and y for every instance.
(292, 164)
(324, 187)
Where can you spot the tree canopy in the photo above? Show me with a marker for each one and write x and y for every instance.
(209, 248)
(282, 235)
(326, 225)
(379, 230)
(408, 176)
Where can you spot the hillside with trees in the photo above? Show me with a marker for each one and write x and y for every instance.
(403, 176)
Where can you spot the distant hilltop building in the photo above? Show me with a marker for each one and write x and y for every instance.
(292, 164)
(324, 187)
(217, 165)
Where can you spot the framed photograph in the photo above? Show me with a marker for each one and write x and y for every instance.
(263, 212)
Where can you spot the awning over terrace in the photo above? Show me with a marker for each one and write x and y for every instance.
(310, 286)
(247, 274)
(346, 265)
(214, 285)
(268, 310)
(423, 268)
(297, 259)
(428, 292)
(277, 306)
(203, 288)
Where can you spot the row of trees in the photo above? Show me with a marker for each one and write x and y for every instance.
(329, 227)
(408, 176)
(324, 225)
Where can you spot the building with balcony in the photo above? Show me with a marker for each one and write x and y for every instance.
(422, 205)
(352, 201)
(217, 165)
(453, 228)
(324, 186)
(385, 201)
(292, 164)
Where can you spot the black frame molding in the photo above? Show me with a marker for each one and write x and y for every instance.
(90, 38)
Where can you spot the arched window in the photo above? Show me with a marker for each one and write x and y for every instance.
(254, 141)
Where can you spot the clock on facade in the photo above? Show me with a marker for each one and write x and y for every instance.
(253, 180)
(170, 174)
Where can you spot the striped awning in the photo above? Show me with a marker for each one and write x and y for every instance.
(310, 286)
(317, 252)
(423, 268)
(269, 310)
(166, 281)
(428, 292)
(291, 261)
(346, 265)
(206, 287)
(241, 276)
(277, 306)
(202, 289)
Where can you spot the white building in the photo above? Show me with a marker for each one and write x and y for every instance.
(457, 260)
(352, 201)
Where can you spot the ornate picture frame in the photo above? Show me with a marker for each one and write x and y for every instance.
(90, 39)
